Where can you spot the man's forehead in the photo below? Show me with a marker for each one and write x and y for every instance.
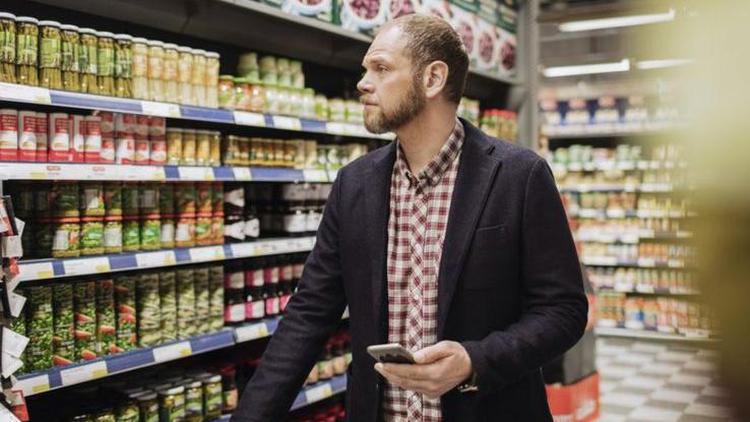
(389, 42)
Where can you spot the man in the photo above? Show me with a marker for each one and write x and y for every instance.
(451, 243)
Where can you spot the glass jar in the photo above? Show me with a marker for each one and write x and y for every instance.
(336, 110)
(257, 98)
(212, 79)
(88, 61)
(124, 66)
(198, 77)
(140, 68)
(150, 232)
(148, 198)
(283, 100)
(113, 234)
(231, 150)
(272, 99)
(212, 396)
(308, 103)
(156, 71)
(204, 197)
(92, 236)
(66, 235)
(184, 75)
(248, 63)
(226, 92)
(174, 146)
(241, 94)
(189, 147)
(167, 231)
(194, 402)
(171, 65)
(27, 50)
(7, 47)
(172, 404)
(215, 147)
(185, 232)
(66, 199)
(217, 228)
(185, 198)
(106, 63)
(166, 198)
(244, 158)
(203, 147)
(203, 229)
(43, 235)
(148, 404)
(71, 45)
(130, 200)
(92, 199)
(321, 107)
(285, 79)
(131, 234)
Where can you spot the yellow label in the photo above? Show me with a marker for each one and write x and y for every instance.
(185, 352)
(102, 268)
(38, 175)
(99, 373)
(45, 274)
(41, 388)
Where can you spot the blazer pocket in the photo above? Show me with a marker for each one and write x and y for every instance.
(483, 267)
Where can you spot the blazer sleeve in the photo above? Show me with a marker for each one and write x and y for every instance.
(311, 316)
(555, 308)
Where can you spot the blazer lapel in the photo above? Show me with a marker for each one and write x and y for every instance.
(377, 188)
(476, 173)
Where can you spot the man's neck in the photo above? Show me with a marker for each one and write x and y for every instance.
(423, 137)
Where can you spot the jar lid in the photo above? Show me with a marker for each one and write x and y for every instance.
(195, 384)
(49, 23)
(226, 77)
(87, 31)
(92, 219)
(174, 129)
(67, 220)
(189, 131)
(214, 378)
(113, 218)
(240, 80)
(155, 43)
(183, 49)
(124, 37)
(27, 19)
(199, 52)
(4, 15)
(69, 28)
(140, 40)
(186, 216)
(174, 390)
(170, 46)
(212, 54)
(105, 34)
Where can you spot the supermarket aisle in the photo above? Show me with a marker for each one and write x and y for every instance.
(649, 381)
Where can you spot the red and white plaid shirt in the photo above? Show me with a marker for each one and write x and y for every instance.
(419, 208)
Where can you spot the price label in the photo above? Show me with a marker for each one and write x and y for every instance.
(249, 119)
(11, 364)
(616, 213)
(335, 128)
(315, 175)
(160, 109)
(675, 263)
(25, 93)
(83, 373)
(288, 123)
(155, 259)
(151, 173)
(646, 262)
(195, 173)
(172, 352)
(251, 332)
(36, 271)
(242, 174)
(316, 394)
(13, 343)
(208, 253)
(86, 266)
(242, 250)
(644, 288)
(33, 385)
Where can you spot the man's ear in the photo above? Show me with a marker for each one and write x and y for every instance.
(434, 78)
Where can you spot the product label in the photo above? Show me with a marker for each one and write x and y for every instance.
(142, 151)
(107, 154)
(235, 197)
(234, 313)
(91, 197)
(125, 150)
(235, 231)
(184, 232)
(141, 125)
(113, 237)
(107, 124)
(272, 306)
(295, 223)
(106, 61)
(61, 240)
(283, 301)
(255, 277)
(252, 228)
(124, 123)
(60, 135)
(50, 53)
(255, 309)
(234, 280)
(167, 232)
(9, 134)
(158, 154)
(78, 140)
(157, 126)
(297, 271)
(271, 275)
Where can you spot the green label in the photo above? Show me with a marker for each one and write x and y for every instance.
(87, 59)
(106, 60)
(26, 49)
(69, 57)
(50, 54)
(8, 46)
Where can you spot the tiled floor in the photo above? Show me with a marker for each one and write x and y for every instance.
(649, 381)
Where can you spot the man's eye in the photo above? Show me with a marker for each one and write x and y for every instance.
(382, 68)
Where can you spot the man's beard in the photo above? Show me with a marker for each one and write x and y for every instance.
(411, 104)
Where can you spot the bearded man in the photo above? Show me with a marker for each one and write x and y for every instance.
(448, 242)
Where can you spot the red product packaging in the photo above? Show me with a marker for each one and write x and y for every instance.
(577, 402)
(59, 138)
(93, 140)
(107, 154)
(124, 124)
(77, 138)
(142, 150)
(157, 126)
(158, 156)
(27, 136)
(9, 134)
(107, 123)
(141, 125)
(125, 149)
(41, 137)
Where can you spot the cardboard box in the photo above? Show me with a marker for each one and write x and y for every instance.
(578, 402)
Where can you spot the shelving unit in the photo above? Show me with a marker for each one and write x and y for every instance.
(654, 335)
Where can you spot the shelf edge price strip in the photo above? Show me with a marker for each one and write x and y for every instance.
(249, 119)
(83, 373)
(172, 352)
(161, 109)
(318, 393)
(84, 265)
(251, 332)
(25, 93)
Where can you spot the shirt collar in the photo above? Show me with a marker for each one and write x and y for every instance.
(437, 167)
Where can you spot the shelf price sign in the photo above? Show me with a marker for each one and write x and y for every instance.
(318, 393)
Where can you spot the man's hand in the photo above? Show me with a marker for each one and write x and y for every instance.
(439, 368)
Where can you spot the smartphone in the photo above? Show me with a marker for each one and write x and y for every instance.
(390, 353)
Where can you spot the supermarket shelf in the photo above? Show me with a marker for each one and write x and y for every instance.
(697, 336)
(620, 213)
(56, 378)
(613, 261)
(620, 187)
(126, 172)
(56, 268)
(560, 168)
(311, 394)
(646, 290)
(635, 237)
(604, 130)
(43, 96)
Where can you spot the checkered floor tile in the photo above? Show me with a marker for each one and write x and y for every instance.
(648, 381)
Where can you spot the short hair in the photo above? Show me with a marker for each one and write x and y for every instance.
(430, 38)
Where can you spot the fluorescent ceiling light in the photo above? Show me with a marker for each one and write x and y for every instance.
(587, 69)
(616, 22)
(659, 64)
